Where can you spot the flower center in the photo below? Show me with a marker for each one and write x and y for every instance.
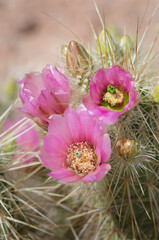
(81, 158)
(113, 96)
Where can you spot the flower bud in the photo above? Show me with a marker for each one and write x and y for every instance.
(105, 43)
(126, 148)
(78, 60)
(126, 44)
(155, 93)
(44, 94)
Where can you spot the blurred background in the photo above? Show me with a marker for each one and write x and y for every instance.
(29, 38)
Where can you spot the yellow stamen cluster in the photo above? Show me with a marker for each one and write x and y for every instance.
(81, 158)
(115, 99)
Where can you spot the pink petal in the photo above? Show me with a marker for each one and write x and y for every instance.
(95, 95)
(50, 161)
(62, 80)
(55, 145)
(28, 140)
(91, 176)
(60, 173)
(58, 127)
(105, 148)
(98, 80)
(59, 101)
(74, 125)
(72, 179)
(64, 176)
(43, 95)
(33, 83)
(88, 125)
(98, 174)
(103, 169)
(81, 108)
(54, 79)
(105, 115)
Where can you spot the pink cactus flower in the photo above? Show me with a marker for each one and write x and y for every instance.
(112, 93)
(27, 138)
(44, 94)
(75, 148)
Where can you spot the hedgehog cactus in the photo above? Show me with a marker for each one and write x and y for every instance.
(129, 194)
(133, 183)
(110, 141)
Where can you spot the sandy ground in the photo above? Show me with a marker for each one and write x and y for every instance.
(29, 38)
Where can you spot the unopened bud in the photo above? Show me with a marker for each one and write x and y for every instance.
(126, 44)
(155, 93)
(105, 43)
(127, 148)
(78, 60)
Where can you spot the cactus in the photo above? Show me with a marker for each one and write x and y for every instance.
(128, 203)
(25, 189)
(125, 203)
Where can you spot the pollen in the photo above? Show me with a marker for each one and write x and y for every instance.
(81, 158)
(114, 99)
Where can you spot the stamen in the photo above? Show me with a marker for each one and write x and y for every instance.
(81, 158)
(114, 99)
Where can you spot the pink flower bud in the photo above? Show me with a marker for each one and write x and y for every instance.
(44, 94)
(78, 60)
